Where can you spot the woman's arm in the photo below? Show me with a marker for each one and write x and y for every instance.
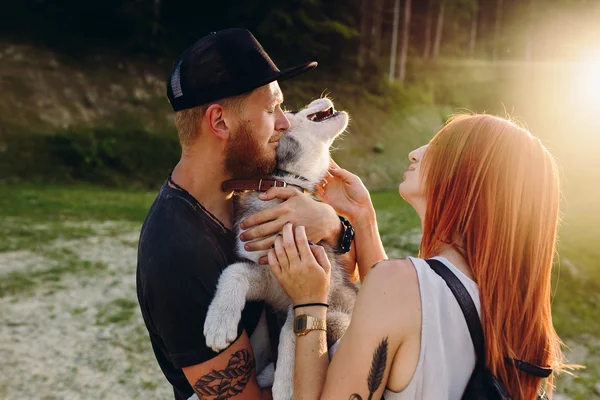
(304, 273)
(346, 193)
(369, 248)
(312, 358)
(386, 313)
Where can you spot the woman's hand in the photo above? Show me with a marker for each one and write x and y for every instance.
(345, 192)
(302, 270)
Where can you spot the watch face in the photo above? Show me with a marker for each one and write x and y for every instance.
(300, 323)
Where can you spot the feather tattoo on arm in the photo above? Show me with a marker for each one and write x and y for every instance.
(377, 370)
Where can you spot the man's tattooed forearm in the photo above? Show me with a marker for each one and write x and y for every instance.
(229, 382)
(377, 370)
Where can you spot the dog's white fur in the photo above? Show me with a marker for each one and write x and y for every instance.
(304, 153)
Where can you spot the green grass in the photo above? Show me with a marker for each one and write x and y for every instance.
(34, 216)
(73, 203)
(118, 312)
(398, 223)
(29, 233)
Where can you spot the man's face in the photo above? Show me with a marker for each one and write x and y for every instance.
(251, 150)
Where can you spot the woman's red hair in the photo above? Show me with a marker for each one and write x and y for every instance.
(492, 192)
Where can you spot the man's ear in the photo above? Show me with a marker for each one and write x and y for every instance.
(216, 121)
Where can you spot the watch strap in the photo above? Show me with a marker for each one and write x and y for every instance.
(347, 236)
(317, 323)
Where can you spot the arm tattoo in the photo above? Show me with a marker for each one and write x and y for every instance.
(377, 370)
(229, 382)
(376, 264)
(388, 259)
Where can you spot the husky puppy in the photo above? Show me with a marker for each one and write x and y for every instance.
(302, 160)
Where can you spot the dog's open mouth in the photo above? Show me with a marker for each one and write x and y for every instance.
(322, 115)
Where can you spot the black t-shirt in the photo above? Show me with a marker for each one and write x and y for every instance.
(181, 253)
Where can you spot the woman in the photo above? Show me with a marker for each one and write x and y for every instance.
(487, 194)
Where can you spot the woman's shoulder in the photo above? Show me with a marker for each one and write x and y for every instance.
(392, 288)
(393, 269)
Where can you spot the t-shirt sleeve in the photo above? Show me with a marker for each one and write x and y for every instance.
(179, 290)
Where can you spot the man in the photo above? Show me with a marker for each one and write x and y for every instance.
(227, 101)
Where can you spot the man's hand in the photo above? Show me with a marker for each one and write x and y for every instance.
(319, 219)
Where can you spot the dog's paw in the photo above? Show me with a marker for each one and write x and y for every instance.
(266, 376)
(283, 389)
(220, 327)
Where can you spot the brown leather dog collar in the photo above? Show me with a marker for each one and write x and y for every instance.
(257, 184)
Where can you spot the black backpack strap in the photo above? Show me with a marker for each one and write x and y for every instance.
(466, 305)
(531, 369)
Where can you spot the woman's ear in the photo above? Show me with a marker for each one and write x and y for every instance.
(216, 121)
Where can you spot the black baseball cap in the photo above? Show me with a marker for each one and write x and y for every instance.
(223, 64)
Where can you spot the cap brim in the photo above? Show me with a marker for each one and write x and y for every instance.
(295, 71)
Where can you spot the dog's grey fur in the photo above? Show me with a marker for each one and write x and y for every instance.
(303, 155)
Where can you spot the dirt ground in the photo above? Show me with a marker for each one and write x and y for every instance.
(80, 335)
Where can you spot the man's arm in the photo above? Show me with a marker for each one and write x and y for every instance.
(178, 279)
(230, 374)
(320, 220)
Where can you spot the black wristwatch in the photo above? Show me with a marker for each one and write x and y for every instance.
(347, 236)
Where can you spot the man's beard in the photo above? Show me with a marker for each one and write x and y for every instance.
(244, 157)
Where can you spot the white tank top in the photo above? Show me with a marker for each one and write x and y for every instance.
(447, 356)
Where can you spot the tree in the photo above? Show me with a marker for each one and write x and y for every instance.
(363, 32)
(438, 29)
(311, 29)
(376, 29)
(497, 27)
(473, 33)
(404, 42)
(156, 22)
(428, 23)
(529, 33)
(394, 40)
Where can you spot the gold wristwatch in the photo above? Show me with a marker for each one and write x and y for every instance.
(306, 323)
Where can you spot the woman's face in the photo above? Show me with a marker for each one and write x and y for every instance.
(411, 188)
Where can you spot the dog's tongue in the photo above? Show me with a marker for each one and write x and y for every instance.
(321, 115)
(326, 113)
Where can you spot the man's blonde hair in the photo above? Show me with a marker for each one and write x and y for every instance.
(187, 121)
